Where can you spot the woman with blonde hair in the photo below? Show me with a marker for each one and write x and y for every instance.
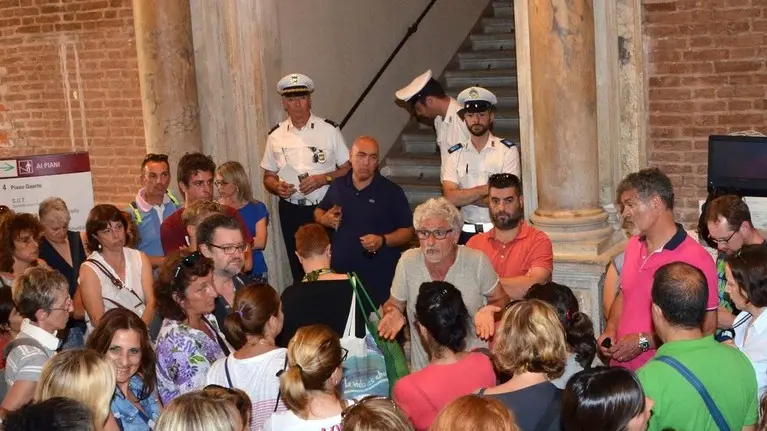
(473, 413)
(234, 396)
(82, 375)
(530, 346)
(235, 191)
(374, 413)
(198, 411)
(311, 383)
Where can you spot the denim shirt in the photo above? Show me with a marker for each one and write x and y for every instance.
(128, 416)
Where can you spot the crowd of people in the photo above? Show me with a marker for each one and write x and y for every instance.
(160, 316)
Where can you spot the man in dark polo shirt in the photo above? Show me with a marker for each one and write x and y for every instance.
(372, 219)
(195, 181)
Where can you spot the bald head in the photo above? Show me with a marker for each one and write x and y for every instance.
(364, 158)
(680, 291)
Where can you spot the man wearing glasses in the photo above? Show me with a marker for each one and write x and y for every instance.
(303, 155)
(647, 199)
(729, 226)
(469, 163)
(153, 204)
(439, 258)
(220, 239)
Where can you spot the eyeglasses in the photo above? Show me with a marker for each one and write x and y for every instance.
(723, 241)
(188, 261)
(364, 400)
(510, 304)
(65, 307)
(220, 183)
(154, 157)
(344, 354)
(230, 249)
(424, 234)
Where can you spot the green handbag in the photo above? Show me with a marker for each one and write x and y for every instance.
(394, 356)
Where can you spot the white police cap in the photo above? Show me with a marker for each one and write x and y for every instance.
(477, 99)
(422, 86)
(295, 83)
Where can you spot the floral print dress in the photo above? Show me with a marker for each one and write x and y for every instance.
(184, 356)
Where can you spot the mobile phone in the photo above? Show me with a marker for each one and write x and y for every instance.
(303, 176)
(607, 343)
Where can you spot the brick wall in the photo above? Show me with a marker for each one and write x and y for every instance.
(69, 81)
(707, 75)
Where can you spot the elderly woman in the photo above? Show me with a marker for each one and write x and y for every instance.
(530, 346)
(320, 285)
(62, 249)
(19, 246)
(439, 258)
(114, 276)
(235, 191)
(42, 298)
(123, 339)
(190, 340)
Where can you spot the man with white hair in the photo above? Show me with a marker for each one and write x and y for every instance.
(439, 258)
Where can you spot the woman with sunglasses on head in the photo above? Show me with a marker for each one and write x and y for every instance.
(113, 276)
(123, 339)
(190, 340)
(443, 323)
(746, 273)
(311, 383)
(255, 321)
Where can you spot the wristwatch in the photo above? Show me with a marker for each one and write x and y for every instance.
(644, 342)
(328, 179)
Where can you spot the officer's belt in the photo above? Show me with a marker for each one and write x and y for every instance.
(476, 227)
(301, 202)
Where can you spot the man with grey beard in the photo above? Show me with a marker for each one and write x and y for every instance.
(521, 255)
(220, 239)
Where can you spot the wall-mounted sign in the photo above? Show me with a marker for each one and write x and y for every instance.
(26, 181)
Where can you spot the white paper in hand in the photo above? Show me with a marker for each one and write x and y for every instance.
(289, 174)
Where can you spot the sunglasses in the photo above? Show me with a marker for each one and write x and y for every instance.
(188, 261)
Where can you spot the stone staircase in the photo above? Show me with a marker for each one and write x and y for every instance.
(487, 58)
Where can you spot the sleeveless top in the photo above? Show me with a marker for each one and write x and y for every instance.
(131, 296)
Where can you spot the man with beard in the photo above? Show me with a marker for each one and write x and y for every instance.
(439, 258)
(470, 163)
(376, 221)
(153, 204)
(647, 200)
(521, 254)
(220, 239)
(303, 155)
(428, 100)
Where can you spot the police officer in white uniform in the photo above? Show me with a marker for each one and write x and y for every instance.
(471, 162)
(303, 155)
(428, 99)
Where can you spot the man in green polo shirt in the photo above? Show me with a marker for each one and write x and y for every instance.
(679, 295)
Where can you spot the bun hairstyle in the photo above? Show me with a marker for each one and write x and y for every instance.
(441, 311)
(314, 353)
(579, 330)
(253, 306)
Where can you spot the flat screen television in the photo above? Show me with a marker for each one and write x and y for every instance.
(738, 164)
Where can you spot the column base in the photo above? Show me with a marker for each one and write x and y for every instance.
(576, 234)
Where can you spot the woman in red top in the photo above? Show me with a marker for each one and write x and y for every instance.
(443, 322)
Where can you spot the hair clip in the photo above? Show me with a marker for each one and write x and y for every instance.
(568, 316)
(239, 313)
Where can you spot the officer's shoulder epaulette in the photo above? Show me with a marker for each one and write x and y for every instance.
(454, 148)
(508, 142)
(276, 126)
(332, 123)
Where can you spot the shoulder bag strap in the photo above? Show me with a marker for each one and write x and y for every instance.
(219, 340)
(279, 391)
(116, 281)
(721, 423)
(228, 377)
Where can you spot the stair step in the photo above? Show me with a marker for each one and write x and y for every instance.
(417, 141)
(416, 165)
(418, 190)
(497, 24)
(503, 8)
(490, 41)
(484, 60)
(481, 78)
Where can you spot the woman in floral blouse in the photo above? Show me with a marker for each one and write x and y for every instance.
(122, 337)
(190, 340)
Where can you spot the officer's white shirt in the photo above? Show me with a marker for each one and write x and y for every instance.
(317, 148)
(451, 129)
(467, 167)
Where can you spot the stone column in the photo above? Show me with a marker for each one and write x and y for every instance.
(562, 53)
(167, 77)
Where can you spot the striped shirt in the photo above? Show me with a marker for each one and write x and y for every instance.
(26, 362)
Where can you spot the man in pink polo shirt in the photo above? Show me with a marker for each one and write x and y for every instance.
(521, 254)
(647, 198)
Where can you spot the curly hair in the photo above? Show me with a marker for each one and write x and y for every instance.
(648, 183)
(175, 275)
(192, 163)
(12, 228)
(438, 207)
